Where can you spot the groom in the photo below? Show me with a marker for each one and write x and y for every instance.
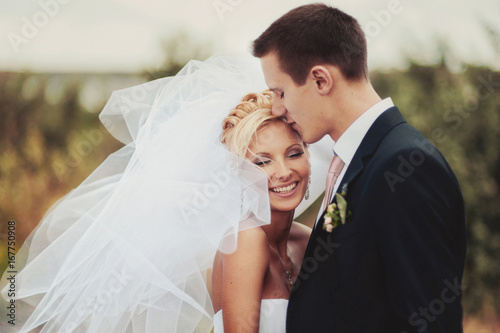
(396, 265)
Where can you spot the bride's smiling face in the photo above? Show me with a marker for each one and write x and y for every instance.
(280, 153)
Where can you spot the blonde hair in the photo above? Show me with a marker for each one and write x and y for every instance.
(251, 114)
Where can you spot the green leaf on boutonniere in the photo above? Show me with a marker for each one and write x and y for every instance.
(342, 207)
(336, 213)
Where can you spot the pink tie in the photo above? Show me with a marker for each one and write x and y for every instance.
(333, 173)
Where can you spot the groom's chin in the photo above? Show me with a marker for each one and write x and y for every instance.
(311, 140)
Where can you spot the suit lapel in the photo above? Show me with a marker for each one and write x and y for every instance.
(382, 125)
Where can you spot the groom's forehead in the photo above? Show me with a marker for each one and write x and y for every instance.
(272, 70)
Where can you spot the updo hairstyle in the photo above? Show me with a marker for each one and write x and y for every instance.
(252, 113)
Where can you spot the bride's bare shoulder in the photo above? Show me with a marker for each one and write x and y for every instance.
(251, 244)
(299, 232)
(245, 266)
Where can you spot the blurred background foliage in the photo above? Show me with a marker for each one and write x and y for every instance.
(50, 141)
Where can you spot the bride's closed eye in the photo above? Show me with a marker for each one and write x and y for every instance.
(295, 154)
(261, 161)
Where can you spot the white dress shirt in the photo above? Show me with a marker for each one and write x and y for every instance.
(348, 143)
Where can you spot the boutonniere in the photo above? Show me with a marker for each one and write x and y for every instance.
(336, 213)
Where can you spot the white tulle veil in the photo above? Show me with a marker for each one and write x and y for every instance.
(128, 250)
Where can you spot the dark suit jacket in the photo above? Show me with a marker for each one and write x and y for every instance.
(397, 264)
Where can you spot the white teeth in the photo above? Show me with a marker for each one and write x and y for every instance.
(284, 189)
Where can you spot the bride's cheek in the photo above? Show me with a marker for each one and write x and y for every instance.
(303, 166)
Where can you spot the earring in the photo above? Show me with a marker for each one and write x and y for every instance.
(307, 190)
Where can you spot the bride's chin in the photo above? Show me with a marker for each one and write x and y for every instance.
(286, 206)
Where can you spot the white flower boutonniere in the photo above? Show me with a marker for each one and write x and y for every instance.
(336, 213)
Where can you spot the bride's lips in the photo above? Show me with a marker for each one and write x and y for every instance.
(285, 193)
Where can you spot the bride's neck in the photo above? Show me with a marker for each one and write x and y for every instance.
(277, 232)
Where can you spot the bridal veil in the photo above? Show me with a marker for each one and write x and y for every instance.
(129, 249)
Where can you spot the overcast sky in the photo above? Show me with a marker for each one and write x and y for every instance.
(125, 35)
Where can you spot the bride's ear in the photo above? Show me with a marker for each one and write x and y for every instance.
(322, 79)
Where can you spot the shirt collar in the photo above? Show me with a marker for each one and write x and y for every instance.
(350, 140)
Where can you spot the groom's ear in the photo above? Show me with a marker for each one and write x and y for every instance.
(322, 78)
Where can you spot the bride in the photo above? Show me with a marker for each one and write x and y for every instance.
(267, 260)
(177, 224)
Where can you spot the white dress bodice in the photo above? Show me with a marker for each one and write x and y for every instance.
(272, 317)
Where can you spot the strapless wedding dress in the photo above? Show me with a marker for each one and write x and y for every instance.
(272, 317)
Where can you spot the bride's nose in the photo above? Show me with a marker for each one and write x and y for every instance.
(282, 172)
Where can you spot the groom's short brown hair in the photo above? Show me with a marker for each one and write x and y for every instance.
(315, 34)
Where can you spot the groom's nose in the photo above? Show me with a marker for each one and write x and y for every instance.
(279, 109)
